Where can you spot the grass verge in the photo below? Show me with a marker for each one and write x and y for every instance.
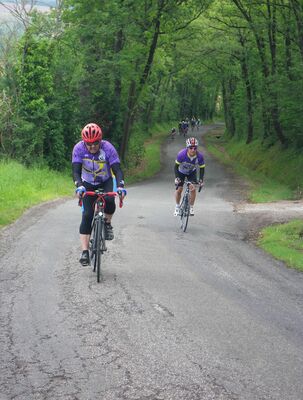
(273, 175)
(284, 242)
(270, 177)
(151, 163)
(21, 188)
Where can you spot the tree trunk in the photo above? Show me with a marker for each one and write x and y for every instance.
(245, 76)
(272, 110)
(272, 26)
(128, 119)
(297, 9)
(228, 113)
(135, 94)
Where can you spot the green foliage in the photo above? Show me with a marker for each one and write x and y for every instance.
(285, 242)
(258, 53)
(123, 64)
(136, 150)
(111, 62)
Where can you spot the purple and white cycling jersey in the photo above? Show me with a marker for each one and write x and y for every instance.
(95, 167)
(187, 164)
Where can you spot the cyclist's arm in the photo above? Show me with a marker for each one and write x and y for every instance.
(202, 170)
(176, 169)
(77, 170)
(116, 168)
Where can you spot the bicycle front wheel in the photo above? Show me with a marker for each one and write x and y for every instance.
(92, 243)
(96, 247)
(99, 248)
(184, 213)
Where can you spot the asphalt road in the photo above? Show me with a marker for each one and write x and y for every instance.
(200, 315)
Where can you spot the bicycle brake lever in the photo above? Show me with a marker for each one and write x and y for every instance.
(119, 192)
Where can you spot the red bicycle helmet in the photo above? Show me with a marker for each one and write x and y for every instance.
(91, 133)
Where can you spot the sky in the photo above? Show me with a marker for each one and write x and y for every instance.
(47, 3)
(42, 5)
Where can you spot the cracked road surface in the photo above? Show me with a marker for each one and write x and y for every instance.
(200, 315)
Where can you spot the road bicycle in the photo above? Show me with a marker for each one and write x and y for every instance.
(184, 211)
(97, 245)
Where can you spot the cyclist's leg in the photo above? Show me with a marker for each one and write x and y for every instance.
(110, 205)
(84, 239)
(192, 191)
(192, 197)
(178, 193)
(85, 228)
(86, 222)
(179, 189)
(110, 208)
(192, 178)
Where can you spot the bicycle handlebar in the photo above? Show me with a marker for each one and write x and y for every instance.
(102, 195)
(192, 183)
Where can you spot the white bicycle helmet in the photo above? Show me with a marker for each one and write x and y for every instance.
(192, 142)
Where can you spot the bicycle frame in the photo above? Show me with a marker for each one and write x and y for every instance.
(97, 240)
(185, 205)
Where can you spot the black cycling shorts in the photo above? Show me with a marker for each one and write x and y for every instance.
(192, 177)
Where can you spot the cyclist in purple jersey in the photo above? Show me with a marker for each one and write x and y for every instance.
(189, 164)
(185, 126)
(94, 161)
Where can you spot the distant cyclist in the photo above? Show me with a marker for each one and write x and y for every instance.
(93, 162)
(185, 126)
(189, 164)
(173, 133)
(180, 127)
(193, 123)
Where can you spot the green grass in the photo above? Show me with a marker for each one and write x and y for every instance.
(151, 164)
(273, 174)
(285, 242)
(21, 188)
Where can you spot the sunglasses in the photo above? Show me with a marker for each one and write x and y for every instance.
(92, 144)
(193, 147)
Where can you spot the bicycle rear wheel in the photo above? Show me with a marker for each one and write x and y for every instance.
(184, 213)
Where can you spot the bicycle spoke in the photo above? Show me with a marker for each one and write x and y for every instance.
(184, 211)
